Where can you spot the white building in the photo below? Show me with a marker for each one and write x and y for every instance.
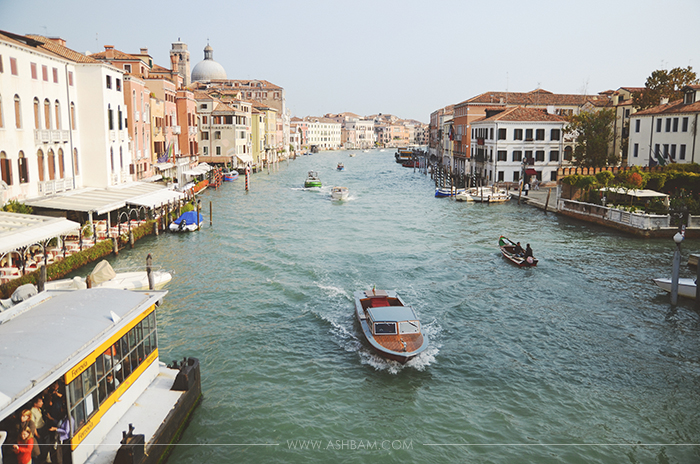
(61, 119)
(324, 133)
(515, 142)
(224, 129)
(666, 133)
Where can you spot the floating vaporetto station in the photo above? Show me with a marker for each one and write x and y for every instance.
(99, 348)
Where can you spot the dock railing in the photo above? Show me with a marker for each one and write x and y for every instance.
(641, 221)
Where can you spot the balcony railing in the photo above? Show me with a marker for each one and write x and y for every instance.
(52, 187)
(42, 136)
(176, 130)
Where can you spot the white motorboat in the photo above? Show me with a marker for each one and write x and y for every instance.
(484, 195)
(103, 276)
(340, 193)
(686, 286)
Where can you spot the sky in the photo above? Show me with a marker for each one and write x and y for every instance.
(402, 57)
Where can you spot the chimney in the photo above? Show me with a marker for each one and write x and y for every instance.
(664, 100)
(109, 52)
(58, 40)
(144, 51)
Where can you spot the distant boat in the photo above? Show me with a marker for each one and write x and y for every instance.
(352, 155)
(340, 193)
(411, 164)
(508, 250)
(390, 327)
(187, 222)
(340, 167)
(484, 194)
(312, 180)
(230, 176)
(447, 192)
(686, 286)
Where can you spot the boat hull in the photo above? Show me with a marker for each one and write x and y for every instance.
(398, 356)
(507, 250)
(137, 280)
(312, 183)
(686, 286)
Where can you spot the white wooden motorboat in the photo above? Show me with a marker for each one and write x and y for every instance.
(484, 195)
(686, 286)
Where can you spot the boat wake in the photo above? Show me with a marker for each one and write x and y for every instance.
(419, 363)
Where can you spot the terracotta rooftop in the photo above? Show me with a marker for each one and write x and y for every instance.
(114, 54)
(674, 107)
(520, 113)
(539, 97)
(46, 45)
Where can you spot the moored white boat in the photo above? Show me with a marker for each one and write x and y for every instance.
(686, 286)
(103, 276)
(484, 195)
(187, 222)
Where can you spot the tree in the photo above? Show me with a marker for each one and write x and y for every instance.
(593, 132)
(664, 84)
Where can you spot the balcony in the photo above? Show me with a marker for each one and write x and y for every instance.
(192, 130)
(59, 136)
(42, 136)
(176, 130)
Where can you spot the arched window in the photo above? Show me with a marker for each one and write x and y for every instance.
(61, 165)
(37, 117)
(18, 113)
(5, 168)
(57, 108)
(111, 157)
(47, 114)
(76, 166)
(121, 158)
(110, 118)
(72, 116)
(40, 164)
(52, 164)
(22, 168)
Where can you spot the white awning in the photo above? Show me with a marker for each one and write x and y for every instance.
(163, 166)
(202, 168)
(20, 230)
(157, 199)
(645, 193)
(245, 157)
(98, 201)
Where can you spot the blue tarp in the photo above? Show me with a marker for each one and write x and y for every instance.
(190, 217)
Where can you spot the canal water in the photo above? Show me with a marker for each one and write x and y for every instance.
(581, 359)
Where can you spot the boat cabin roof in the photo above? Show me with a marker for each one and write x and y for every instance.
(392, 314)
(44, 336)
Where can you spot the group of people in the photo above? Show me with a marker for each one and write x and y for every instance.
(35, 433)
(518, 251)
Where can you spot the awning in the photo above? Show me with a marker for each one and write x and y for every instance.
(21, 230)
(99, 201)
(202, 168)
(530, 172)
(644, 193)
(157, 199)
(245, 158)
(155, 178)
(163, 166)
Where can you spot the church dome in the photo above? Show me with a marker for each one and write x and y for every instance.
(208, 69)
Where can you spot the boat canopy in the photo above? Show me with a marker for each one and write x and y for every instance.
(636, 193)
(190, 217)
(392, 313)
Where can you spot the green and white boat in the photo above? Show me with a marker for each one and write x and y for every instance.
(312, 180)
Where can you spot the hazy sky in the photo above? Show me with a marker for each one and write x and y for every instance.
(404, 57)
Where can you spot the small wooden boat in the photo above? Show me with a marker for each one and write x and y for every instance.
(390, 327)
(411, 164)
(686, 286)
(508, 250)
(352, 155)
(484, 195)
(230, 176)
(312, 180)
(339, 193)
(340, 167)
(187, 222)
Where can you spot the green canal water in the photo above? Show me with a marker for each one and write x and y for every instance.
(581, 359)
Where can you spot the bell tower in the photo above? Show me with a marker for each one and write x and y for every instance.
(183, 61)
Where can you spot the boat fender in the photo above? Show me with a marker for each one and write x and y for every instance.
(530, 260)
